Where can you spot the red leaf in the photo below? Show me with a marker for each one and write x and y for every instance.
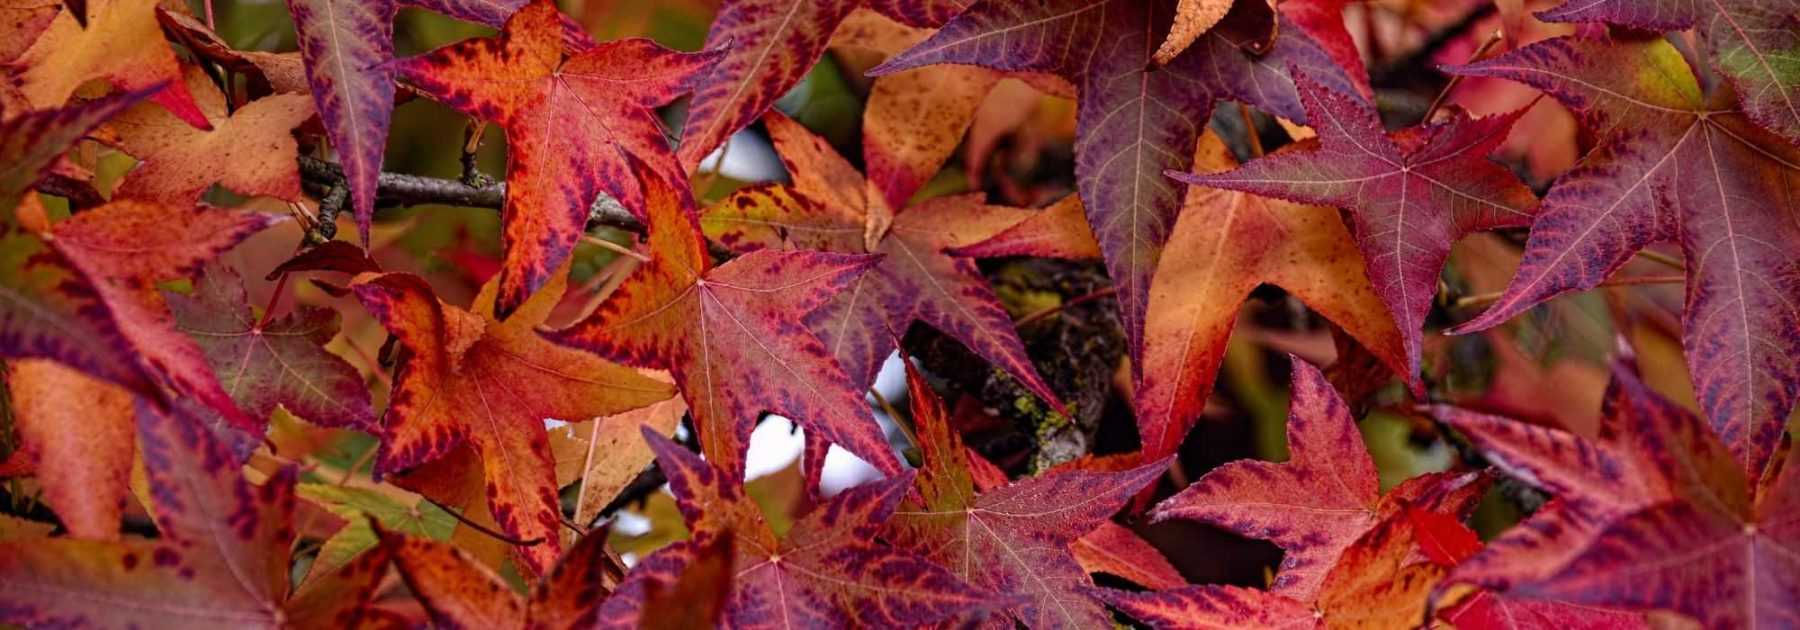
(1322, 499)
(1015, 539)
(468, 377)
(915, 280)
(574, 122)
(1136, 118)
(348, 47)
(827, 571)
(1410, 194)
(1673, 164)
(734, 335)
(1443, 538)
(121, 43)
(462, 593)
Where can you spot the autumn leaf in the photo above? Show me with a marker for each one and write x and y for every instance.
(462, 593)
(824, 209)
(697, 598)
(127, 247)
(1136, 118)
(1225, 244)
(1708, 543)
(827, 570)
(769, 46)
(1115, 549)
(469, 378)
(348, 50)
(1753, 43)
(77, 432)
(1193, 18)
(1410, 194)
(21, 21)
(121, 44)
(1060, 230)
(221, 558)
(574, 123)
(1329, 471)
(250, 150)
(1673, 165)
(30, 142)
(733, 335)
(280, 361)
(1015, 539)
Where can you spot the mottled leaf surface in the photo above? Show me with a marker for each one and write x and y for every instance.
(348, 49)
(734, 335)
(1673, 164)
(121, 44)
(250, 150)
(1013, 540)
(1410, 194)
(462, 593)
(574, 123)
(469, 378)
(915, 280)
(77, 431)
(1136, 118)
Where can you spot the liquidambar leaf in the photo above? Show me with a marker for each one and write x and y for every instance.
(77, 432)
(1673, 164)
(1328, 472)
(734, 336)
(462, 593)
(348, 49)
(121, 43)
(1136, 118)
(469, 378)
(281, 362)
(221, 559)
(250, 150)
(1014, 539)
(915, 279)
(1410, 194)
(574, 122)
(827, 571)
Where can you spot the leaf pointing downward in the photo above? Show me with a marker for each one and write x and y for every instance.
(734, 335)
(1411, 194)
(348, 47)
(574, 120)
(1673, 164)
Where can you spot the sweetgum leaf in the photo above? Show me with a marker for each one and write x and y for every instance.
(469, 378)
(348, 49)
(1754, 43)
(279, 363)
(250, 150)
(574, 121)
(1706, 542)
(1014, 539)
(462, 593)
(1193, 18)
(827, 571)
(734, 335)
(222, 558)
(1224, 245)
(824, 209)
(30, 142)
(1410, 194)
(121, 44)
(1673, 164)
(128, 246)
(1136, 118)
(1058, 231)
(22, 20)
(1329, 472)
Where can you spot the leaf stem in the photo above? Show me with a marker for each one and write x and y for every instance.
(484, 529)
(1456, 80)
(274, 300)
(1485, 298)
(1076, 301)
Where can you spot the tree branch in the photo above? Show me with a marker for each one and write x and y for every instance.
(400, 189)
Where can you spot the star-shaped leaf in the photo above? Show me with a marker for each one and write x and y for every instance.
(1673, 164)
(1410, 194)
(574, 122)
(1015, 539)
(1225, 244)
(221, 558)
(1754, 43)
(467, 377)
(824, 209)
(827, 571)
(127, 247)
(1136, 118)
(122, 43)
(734, 336)
(1319, 502)
(1712, 545)
(280, 362)
(250, 151)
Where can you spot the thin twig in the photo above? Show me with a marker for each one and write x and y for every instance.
(893, 414)
(1457, 79)
(614, 247)
(1077, 301)
(399, 189)
(483, 529)
(1662, 259)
